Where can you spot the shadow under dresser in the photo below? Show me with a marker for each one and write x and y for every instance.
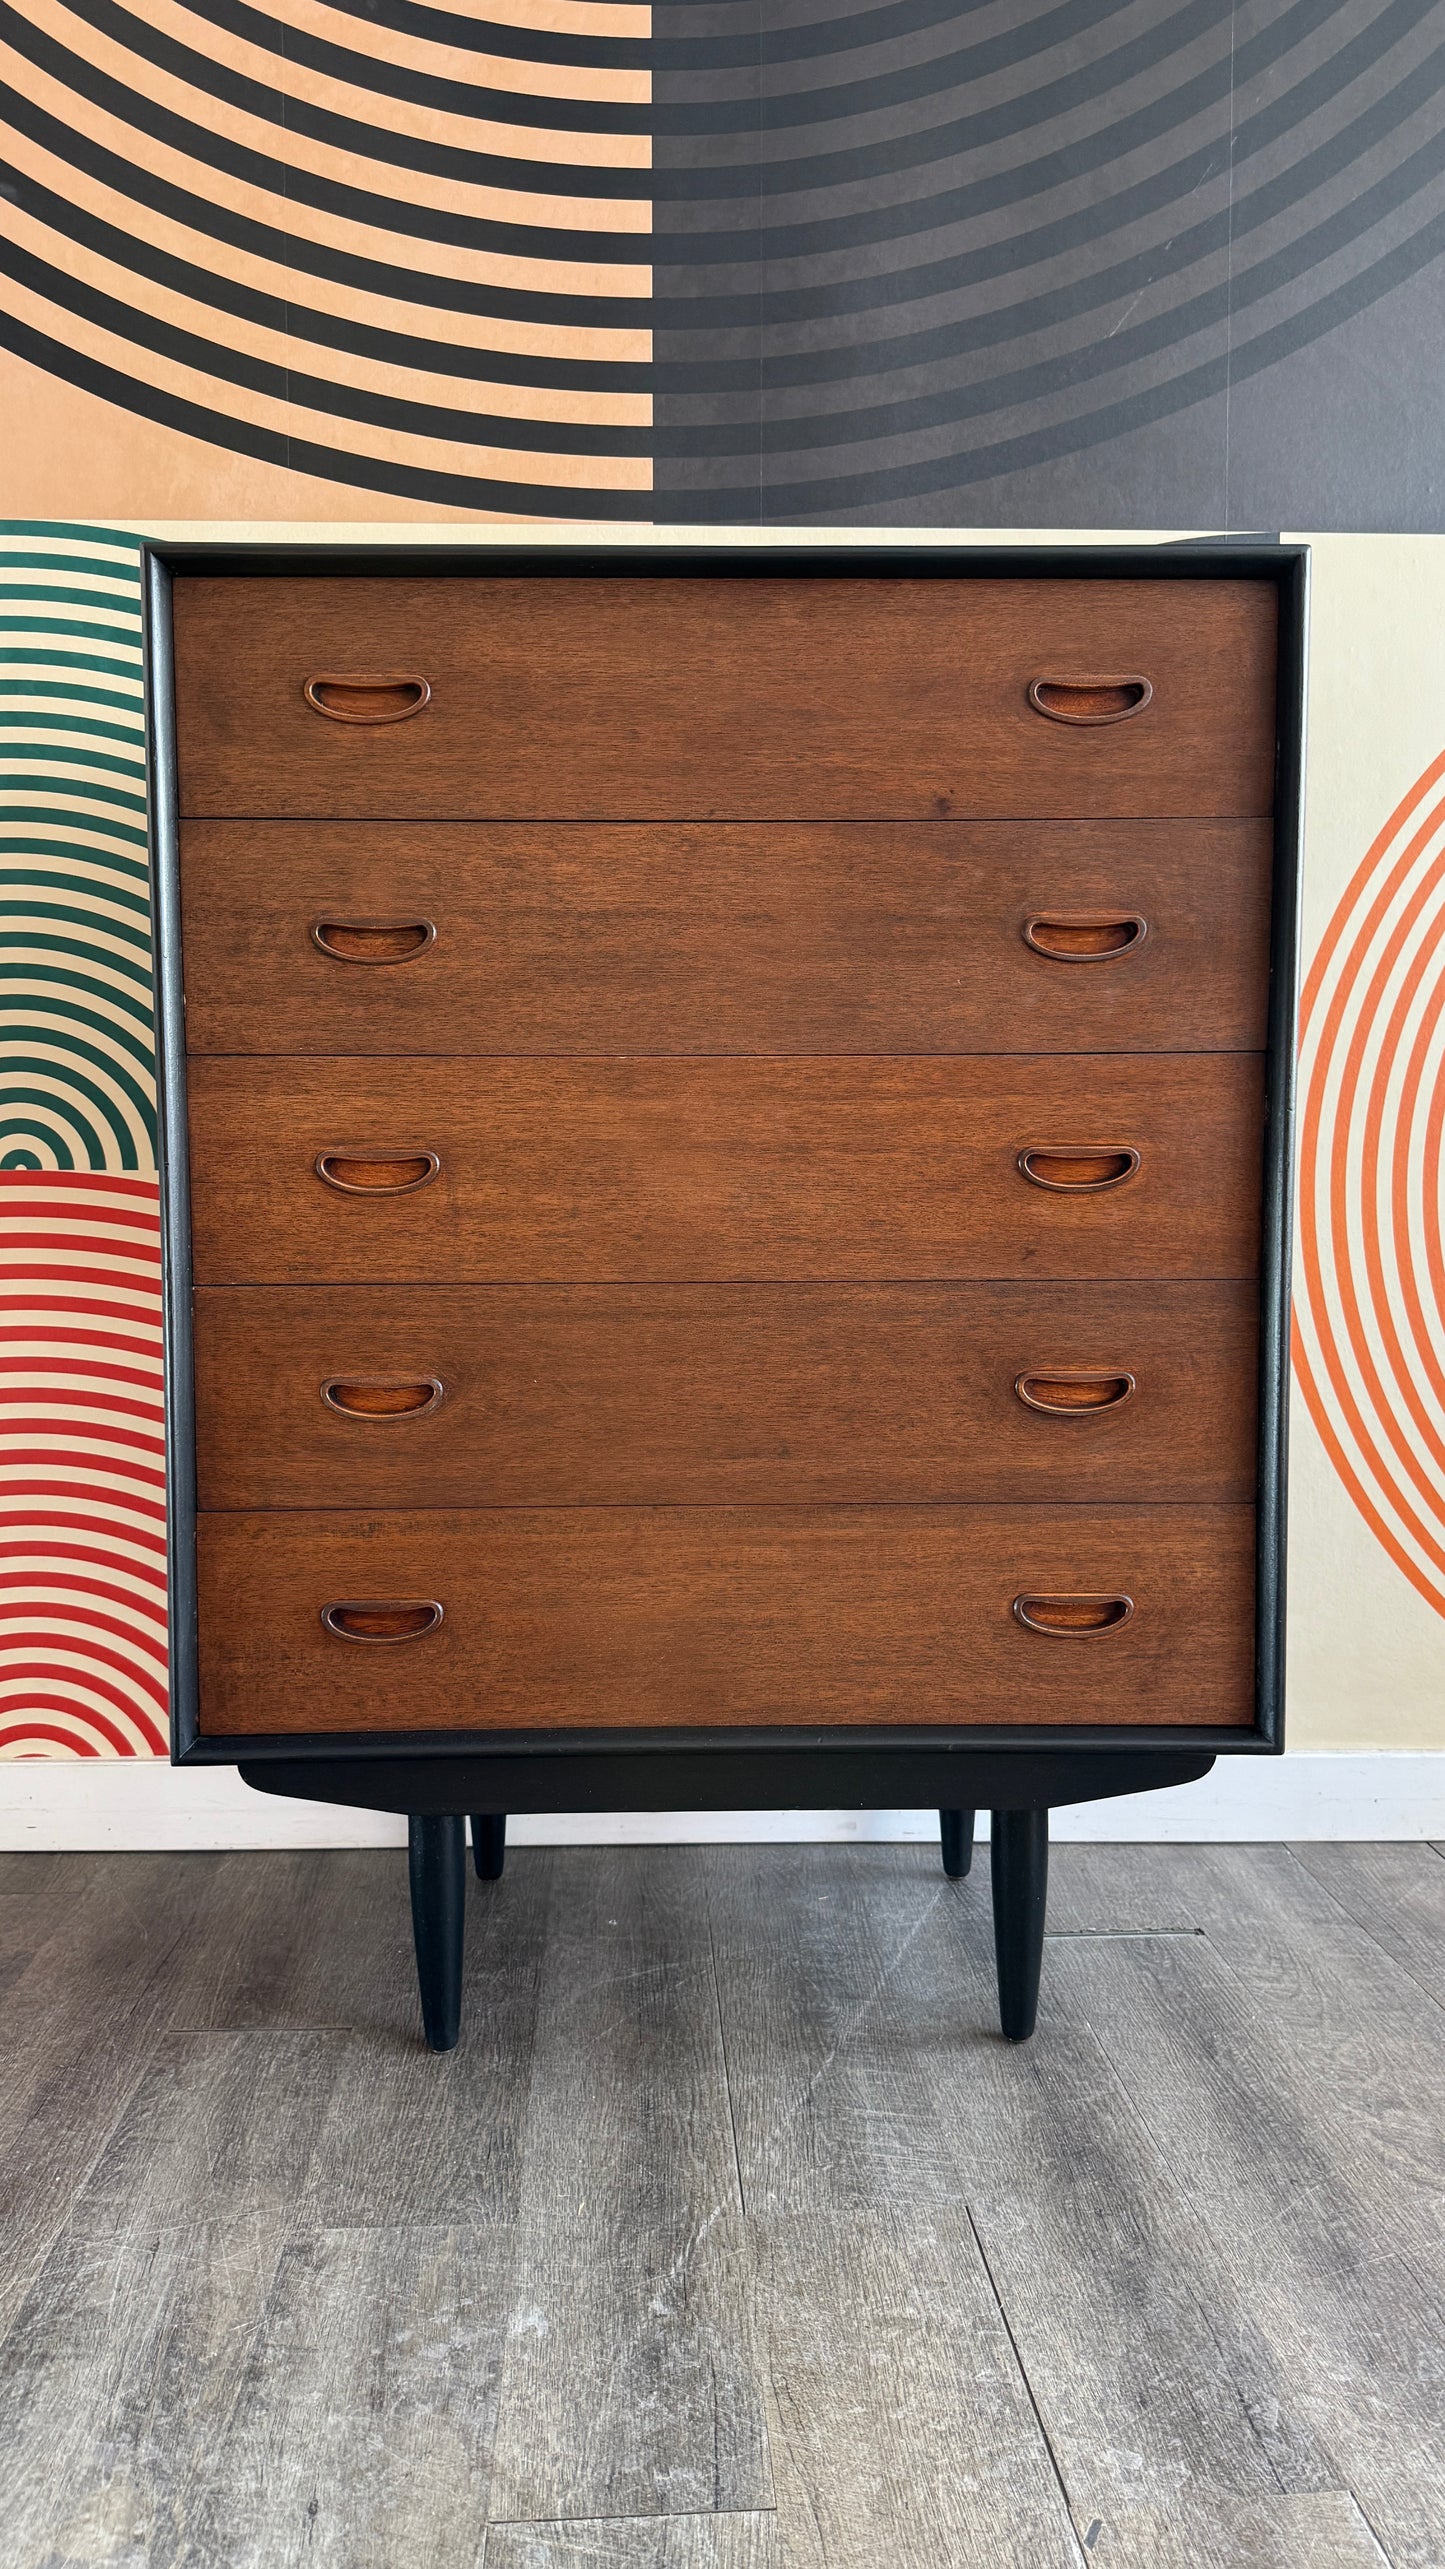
(726, 1136)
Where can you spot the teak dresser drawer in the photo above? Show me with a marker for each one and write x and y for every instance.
(478, 1170)
(743, 698)
(923, 936)
(690, 1395)
(726, 1151)
(601, 1618)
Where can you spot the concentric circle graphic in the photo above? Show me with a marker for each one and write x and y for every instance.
(1369, 1336)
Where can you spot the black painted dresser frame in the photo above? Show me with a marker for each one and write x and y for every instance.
(439, 1779)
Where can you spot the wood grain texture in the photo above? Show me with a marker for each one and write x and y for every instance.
(1397, 1894)
(1347, 2016)
(1207, 2528)
(1209, 2312)
(361, 2435)
(117, 2381)
(864, 2069)
(321, 1942)
(639, 2542)
(659, 698)
(564, 1395)
(771, 939)
(884, 2341)
(82, 2021)
(652, 1171)
(1344, 2283)
(630, 2386)
(606, 1617)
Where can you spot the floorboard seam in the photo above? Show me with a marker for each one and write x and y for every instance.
(723, 2045)
(1054, 2461)
(1396, 1961)
(1354, 2497)
(159, 2034)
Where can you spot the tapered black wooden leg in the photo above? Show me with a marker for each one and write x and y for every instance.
(1020, 1853)
(438, 1916)
(489, 1844)
(956, 1830)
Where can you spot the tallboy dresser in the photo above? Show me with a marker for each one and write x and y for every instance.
(726, 1155)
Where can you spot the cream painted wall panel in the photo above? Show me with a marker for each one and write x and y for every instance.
(1366, 1648)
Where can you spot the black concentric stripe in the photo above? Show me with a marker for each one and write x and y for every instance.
(200, 214)
(817, 38)
(300, 455)
(1216, 233)
(284, 383)
(831, 495)
(366, 71)
(793, 112)
(1069, 161)
(953, 275)
(514, 44)
(211, 289)
(296, 113)
(212, 150)
(1050, 377)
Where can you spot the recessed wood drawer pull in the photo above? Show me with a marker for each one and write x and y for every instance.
(383, 1396)
(1067, 1618)
(373, 940)
(382, 1618)
(377, 1172)
(367, 695)
(1089, 700)
(1086, 940)
(1071, 1394)
(1077, 1168)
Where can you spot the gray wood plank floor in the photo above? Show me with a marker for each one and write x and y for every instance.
(732, 2237)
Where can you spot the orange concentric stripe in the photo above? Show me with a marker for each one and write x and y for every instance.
(1369, 1337)
(83, 1669)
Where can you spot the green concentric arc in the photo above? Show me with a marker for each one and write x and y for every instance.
(77, 1065)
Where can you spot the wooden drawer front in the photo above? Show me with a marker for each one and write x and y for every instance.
(885, 937)
(646, 1170)
(558, 1395)
(599, 1618)
(723, 698)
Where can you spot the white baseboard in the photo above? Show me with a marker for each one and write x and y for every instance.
(1313, 1793)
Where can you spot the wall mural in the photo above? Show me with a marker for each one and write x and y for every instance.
(1370, 1292)
(1031, 264)
(82, 1497)
(403, 250)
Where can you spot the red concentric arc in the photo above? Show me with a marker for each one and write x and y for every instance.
(1369, 1333)
(82, 1468)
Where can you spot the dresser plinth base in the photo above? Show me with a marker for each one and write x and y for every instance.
(439, 1792)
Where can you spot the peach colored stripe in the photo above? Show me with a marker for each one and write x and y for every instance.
(561, 80)
(362, 240)
(471, 73)
(473, 393)
(456, 329)
(295, 150)
(479, 463)
(463, 129)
